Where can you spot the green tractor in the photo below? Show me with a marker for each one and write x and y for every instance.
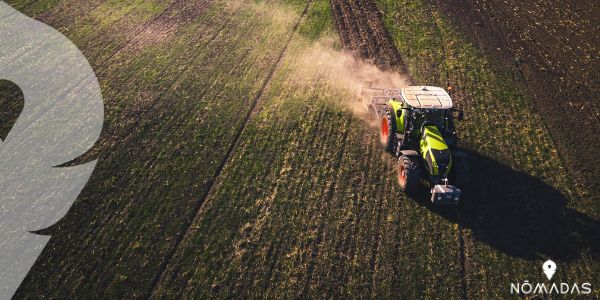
(417, 126)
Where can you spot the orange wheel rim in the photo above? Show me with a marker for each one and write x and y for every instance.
(385, 130)
(401, 175)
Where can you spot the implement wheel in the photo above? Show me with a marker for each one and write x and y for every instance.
(387, 128)
(409, 173)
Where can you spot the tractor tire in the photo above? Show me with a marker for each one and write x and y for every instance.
(387, 129)
(410, 173)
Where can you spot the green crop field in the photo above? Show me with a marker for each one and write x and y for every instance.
(230, 164)
(534, 209)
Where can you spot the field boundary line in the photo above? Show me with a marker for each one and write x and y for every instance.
(236, 140)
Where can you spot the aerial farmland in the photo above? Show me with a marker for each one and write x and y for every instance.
(237, 158)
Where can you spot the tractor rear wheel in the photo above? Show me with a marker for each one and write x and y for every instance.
(409, 173)
(387, 129)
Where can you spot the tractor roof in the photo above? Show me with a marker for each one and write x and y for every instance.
(426, 97)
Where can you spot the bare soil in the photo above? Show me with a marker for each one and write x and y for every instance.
(554, 48)
(363, 33)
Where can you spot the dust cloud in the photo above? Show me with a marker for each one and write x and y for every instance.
(323, 64)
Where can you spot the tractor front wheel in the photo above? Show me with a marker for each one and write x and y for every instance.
(409, 173)
(387, 132)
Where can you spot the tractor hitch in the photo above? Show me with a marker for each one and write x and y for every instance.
(445, 194)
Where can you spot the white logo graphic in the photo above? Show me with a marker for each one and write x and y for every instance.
(549, 268)
(555, 288)
(62, 118)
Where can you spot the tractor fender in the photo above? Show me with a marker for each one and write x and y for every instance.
(399, 114)
(409, 153)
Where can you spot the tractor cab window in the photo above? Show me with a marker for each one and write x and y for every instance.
(436, 117)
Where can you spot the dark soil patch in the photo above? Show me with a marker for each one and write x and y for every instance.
(362, 32)
(554, 47)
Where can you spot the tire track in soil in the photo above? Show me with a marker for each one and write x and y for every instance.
(133, 38)
(139, 117)
(131, 41)
(152, 105)
(81, 16)
(360, 233)
(262, 227)
(165, 23)
(311, 143)
(350, 243)
(124, 45)
(135, 35)
(360, 24)
(227, 156)
(171, 18)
